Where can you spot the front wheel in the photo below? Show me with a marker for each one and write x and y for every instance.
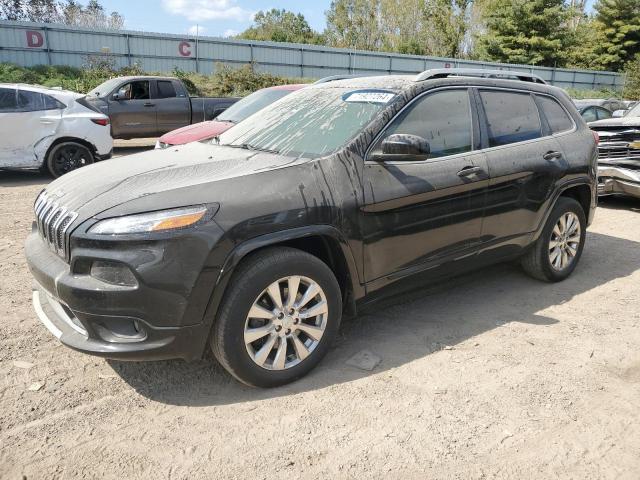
(68, 156)
(279, 315)
(557, 251)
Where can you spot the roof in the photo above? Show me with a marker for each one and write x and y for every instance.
(292, 87)
(54, 91)
(390, 82)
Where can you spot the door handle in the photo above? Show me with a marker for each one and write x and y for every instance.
(149, 104)
(468, 171)
(46, 122)
(552, 155)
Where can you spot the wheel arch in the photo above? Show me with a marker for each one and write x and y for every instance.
(65, 139)
(581, 190)
(323, 241)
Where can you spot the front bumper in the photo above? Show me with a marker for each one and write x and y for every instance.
(161, 317)
(616, 180)
(91, 334)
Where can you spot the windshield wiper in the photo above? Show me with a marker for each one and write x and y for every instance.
(248, 146)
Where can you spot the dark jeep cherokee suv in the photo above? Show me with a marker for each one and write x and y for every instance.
(255, 243)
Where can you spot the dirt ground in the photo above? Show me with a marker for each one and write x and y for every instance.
(492, 375)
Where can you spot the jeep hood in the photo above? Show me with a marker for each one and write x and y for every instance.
(158, 179)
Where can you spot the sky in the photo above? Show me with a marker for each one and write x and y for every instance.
(214, 17)
(218, 18)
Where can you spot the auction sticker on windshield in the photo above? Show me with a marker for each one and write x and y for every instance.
(369, 96)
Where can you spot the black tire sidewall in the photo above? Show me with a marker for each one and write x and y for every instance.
(246, 290)
(563, 206)
(57, 148)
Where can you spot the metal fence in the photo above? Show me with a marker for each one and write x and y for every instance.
(29, 44)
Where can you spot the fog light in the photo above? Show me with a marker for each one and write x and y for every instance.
(113, 273)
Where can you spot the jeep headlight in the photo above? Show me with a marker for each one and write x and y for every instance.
(151, 222)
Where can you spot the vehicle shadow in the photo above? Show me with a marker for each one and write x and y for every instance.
(620, 203)
(23, 178)
(418, 324)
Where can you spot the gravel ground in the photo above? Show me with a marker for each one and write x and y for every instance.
(492, 375)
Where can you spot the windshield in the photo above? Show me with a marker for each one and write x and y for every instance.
(310, 123)
(251, 104)
(104, 88)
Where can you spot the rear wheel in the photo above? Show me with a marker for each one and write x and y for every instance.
(279, 315)
(68, 156)
(557, 251)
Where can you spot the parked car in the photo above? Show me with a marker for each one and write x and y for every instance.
(256, 242)
(148, 106)
(235, 114)
(49, 129)
(619, 154)
(611, 104)
(592, 113)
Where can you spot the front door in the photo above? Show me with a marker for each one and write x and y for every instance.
(418, 214)
(133, 113)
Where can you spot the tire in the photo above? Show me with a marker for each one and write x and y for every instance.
(250, 290)
(540, 261)
(68, 156)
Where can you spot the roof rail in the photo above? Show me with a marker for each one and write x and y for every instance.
(477, 72)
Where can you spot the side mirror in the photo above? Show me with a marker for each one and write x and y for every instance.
(121, 95)
(619, 113)
(403, 147)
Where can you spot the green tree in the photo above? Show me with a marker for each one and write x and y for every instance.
(281, 26)
(632, 83)
(68, 12)
(618, 29)
(354, 24)
(12, 10)
(525, 31)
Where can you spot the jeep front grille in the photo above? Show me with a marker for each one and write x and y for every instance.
(53, 221)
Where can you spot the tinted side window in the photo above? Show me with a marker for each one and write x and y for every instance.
(512, 117)
(603, 114)
(8, 99)
(557, 117)
(30, 101)
(589, 115)
(166, 89)
(443, 119)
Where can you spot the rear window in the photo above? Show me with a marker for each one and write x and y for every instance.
(512, 117)
(558, 118)
(166, 89)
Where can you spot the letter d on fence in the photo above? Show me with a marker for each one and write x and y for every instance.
(184, 48)
(34, 39)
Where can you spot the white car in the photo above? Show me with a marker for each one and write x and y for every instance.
(50, 129)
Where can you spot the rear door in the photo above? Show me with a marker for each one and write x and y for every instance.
(173, 107)
(26, 118)
(525, 161)
(135, 113)
(421, 213)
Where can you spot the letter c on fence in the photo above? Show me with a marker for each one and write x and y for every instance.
(184, 49)
(34, 39)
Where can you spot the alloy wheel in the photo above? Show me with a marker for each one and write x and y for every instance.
(565, 241)
(69, 158)
(286, 322)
